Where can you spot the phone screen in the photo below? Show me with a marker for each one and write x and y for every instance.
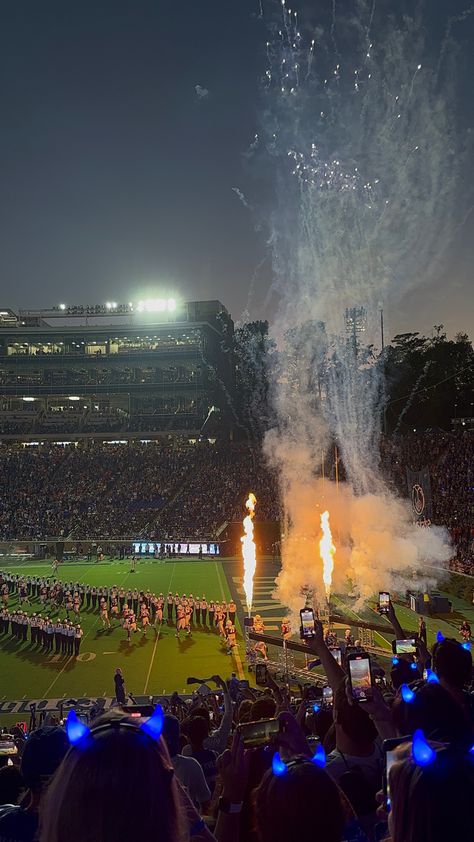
(307, 622)
(336, 653)
(384, 602)
(258, 733)
(405, 647)
(261, 675)
(361, 678)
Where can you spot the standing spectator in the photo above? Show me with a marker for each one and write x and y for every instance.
(187, 769)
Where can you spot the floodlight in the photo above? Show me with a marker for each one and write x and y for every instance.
(62, 306)
(28, 399)
(74, 398)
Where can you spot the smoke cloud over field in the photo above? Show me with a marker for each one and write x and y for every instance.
(359, 131)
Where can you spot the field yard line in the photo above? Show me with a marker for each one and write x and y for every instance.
(45, 695)
(235, 650)
(156, 639)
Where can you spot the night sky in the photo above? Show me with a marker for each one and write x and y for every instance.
(123, 131)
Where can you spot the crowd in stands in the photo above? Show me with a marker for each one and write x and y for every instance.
(187, 492)
(116, 491)
(449, 458)
(235, 764)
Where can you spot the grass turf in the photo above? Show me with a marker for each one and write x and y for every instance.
(153, 664)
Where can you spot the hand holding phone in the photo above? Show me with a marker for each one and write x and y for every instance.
(307, 630)
(360, 677)
(384, 602)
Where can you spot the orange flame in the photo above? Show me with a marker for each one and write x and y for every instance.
(249, 550)
(327, 551)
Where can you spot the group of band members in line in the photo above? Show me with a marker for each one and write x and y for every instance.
(52, 636)
(127, 607)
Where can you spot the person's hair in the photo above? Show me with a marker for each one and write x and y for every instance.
(434, 710)
(243, 713)
(353, 719)
(118, 784)
(171, 734)
(401, 673)
(44, 750)
(432, 803)
(197, 730)
(304, 799)
(262, 708)
(452, 663)
(11, 785)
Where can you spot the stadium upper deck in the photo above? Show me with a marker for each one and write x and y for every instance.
(159, 365)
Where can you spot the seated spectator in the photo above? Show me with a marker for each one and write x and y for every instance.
(43, 753)
(187, 769)
(432, 803)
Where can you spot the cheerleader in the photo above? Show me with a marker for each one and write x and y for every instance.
(104, 614)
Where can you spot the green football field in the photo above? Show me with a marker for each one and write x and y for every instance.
(159, 663)
(152, 665)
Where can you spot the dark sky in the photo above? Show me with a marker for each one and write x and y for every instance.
(116, 177)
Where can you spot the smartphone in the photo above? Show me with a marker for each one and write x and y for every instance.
(258, 733)
(384, 602)
(337, 654)
(261, 675)
(7, 746)
(307, 623)
(404, 647)
(360, 676)
(328, 696)
(389, 748)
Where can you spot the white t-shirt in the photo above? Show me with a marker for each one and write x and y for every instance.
(191, 776)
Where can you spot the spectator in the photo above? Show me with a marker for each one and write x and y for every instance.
(187, 769)
(356, 743)
(119, 785)
(453, 666)
(197, 732)
(11, 785)
(42, 755)
(432, 803)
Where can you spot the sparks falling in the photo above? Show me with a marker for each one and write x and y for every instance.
(249, 549)
(327, 551)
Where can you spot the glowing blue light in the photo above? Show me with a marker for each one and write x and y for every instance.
(439, 636)
(466, 645)
(407, 694)
(319, 757)
(316, 708)
(413, 666)
(422, 753)
(154, 725)
(471, 750)
(75, 729)
(395, 661)
(431, 677)
(278, 766)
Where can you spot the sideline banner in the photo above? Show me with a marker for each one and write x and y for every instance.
(52, 705)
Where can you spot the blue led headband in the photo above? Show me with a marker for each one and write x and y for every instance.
(152, 727)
